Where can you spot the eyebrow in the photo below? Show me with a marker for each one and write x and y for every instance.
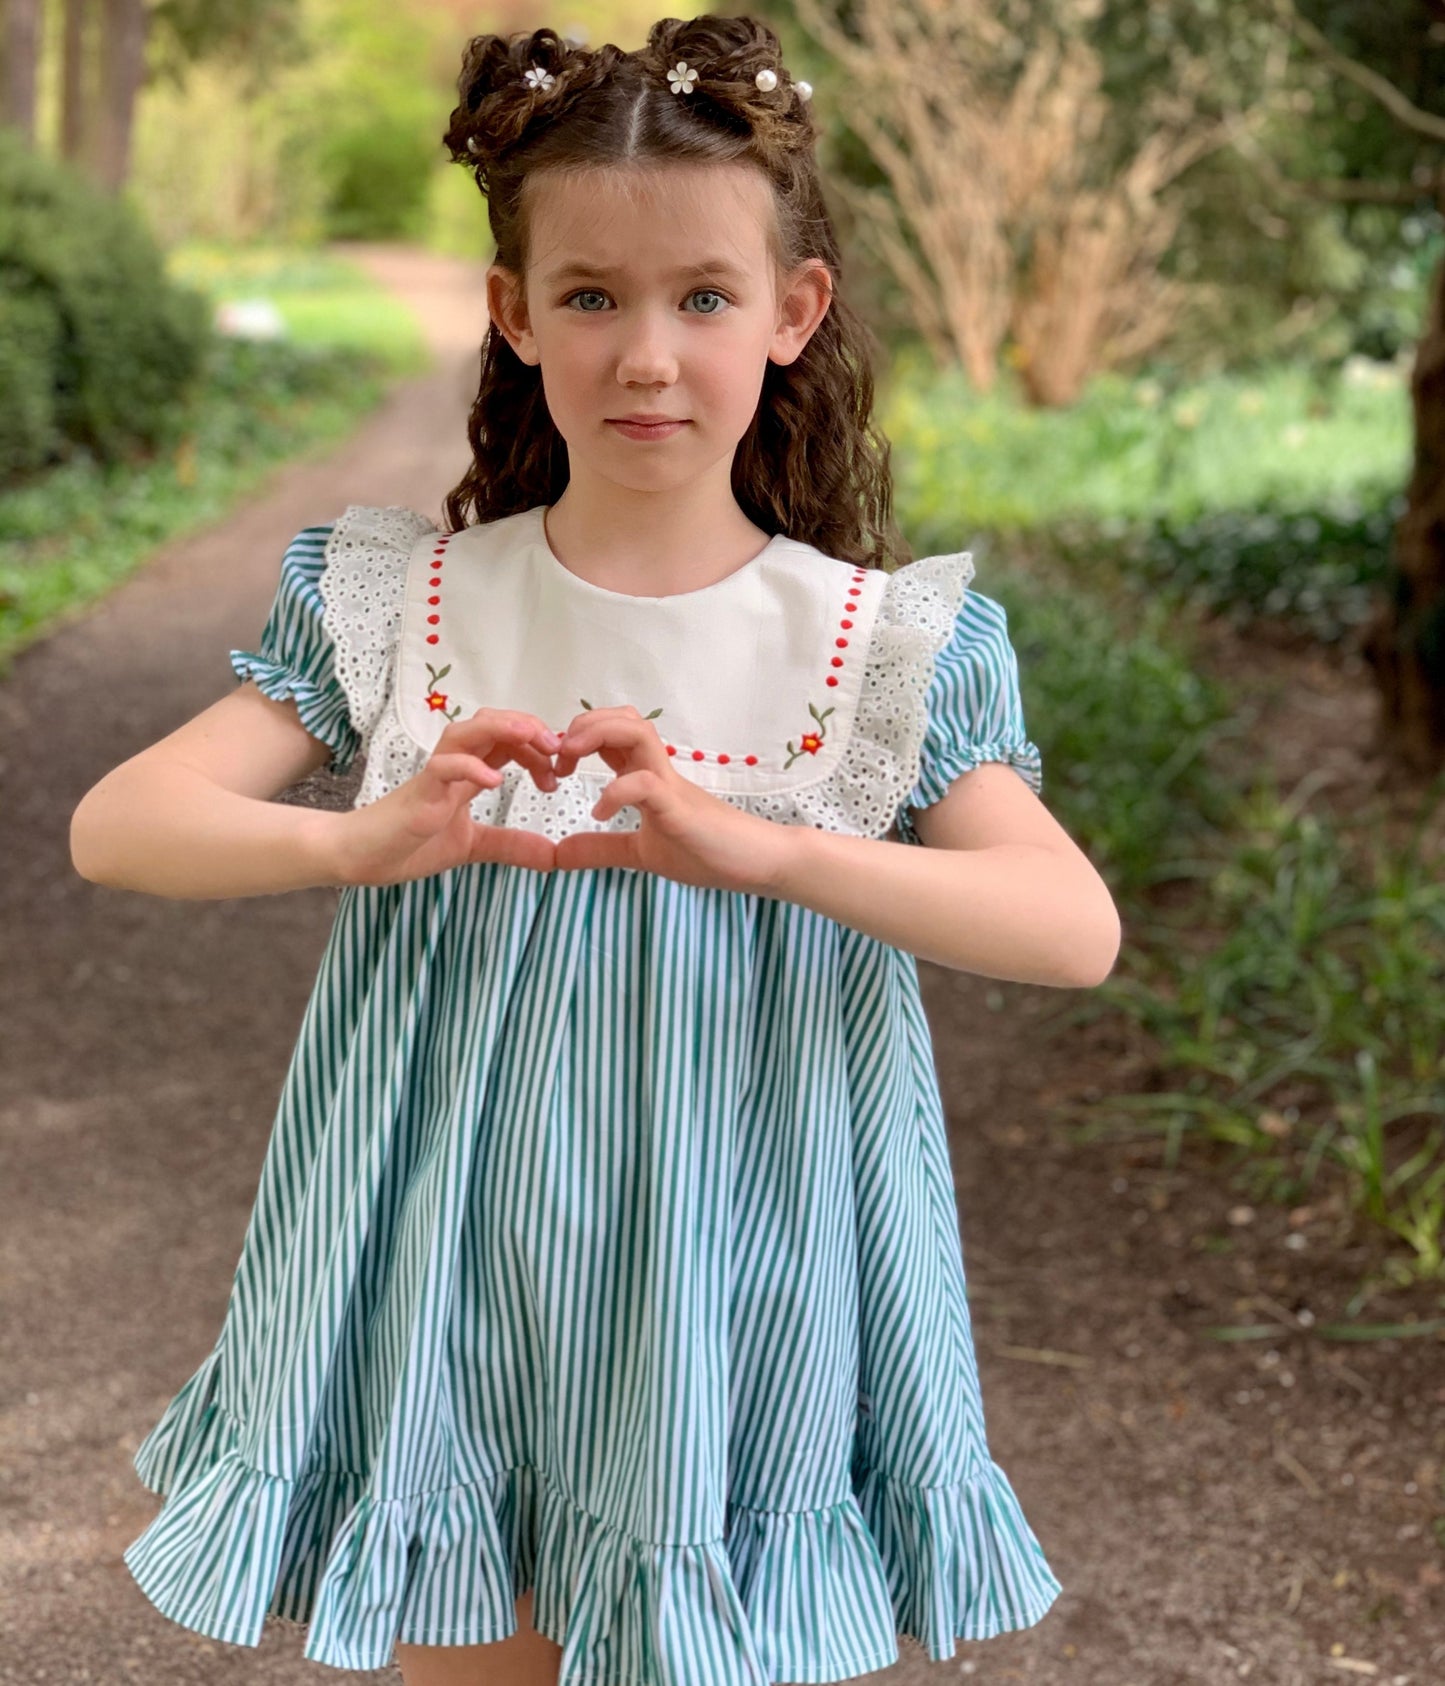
(708, 266)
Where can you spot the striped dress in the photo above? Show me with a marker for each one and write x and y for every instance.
(606, 1241)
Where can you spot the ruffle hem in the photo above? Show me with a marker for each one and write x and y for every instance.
(810, 1596)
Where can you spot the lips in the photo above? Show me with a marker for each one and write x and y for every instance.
(655, 427)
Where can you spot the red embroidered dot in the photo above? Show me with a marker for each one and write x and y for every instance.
(845, 623)
(830, 680)
(432, 620)
(697, 755)
(837, 661)
(842, 643)
(431, 638)
(433, 581)
(723, 760)
(433, 599)
(752, 760)
(671, 750)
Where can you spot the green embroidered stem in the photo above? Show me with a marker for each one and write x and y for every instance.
(652, 716)
(436, 700)
(812, 741)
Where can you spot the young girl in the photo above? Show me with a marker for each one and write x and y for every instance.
(606, 1248)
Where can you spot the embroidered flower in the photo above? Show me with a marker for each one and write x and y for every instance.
(537, 77)
(437, 700)
(812, 741)
(681, 77)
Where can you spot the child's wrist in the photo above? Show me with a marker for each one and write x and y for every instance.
(783, 860)
(324, 839)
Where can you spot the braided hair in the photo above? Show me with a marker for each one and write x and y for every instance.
(703, 90)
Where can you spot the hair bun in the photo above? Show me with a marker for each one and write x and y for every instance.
(734, 65)
(502, 81)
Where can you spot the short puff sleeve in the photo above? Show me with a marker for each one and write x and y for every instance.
(296, 656)
(975, 710)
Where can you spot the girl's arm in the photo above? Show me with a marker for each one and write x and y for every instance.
(193, 817)
(1001, 888)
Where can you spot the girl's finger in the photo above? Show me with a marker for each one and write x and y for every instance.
(497, 725)
(631, 790)
(526, 755)
(456, 767)
(512, 847)
(626, 732)
(524, 743)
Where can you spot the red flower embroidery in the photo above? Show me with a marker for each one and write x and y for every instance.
(812, 742)
(436, 700)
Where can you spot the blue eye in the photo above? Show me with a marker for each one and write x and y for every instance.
(706, 292)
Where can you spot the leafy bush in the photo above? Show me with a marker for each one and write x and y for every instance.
(1317, 566)
(97, 346)
(1123, 721)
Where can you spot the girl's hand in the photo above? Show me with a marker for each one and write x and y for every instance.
(425, 825)
(687, 834)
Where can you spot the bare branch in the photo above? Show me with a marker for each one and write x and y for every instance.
(1005, 214)
(1402, 109)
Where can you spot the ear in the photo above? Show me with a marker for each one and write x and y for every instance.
(801, 308)
(507, 307)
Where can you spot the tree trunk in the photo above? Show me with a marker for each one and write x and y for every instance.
(74, 110)
(1405, 641)
(122, 71)
(19, 55)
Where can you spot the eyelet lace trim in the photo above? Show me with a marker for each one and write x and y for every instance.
(363, 588)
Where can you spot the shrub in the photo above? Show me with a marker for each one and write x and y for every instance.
(98, 348)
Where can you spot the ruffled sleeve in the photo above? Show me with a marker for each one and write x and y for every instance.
(296, 656)
(975, 709)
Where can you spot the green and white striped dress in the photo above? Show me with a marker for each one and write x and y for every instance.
(606, 1240)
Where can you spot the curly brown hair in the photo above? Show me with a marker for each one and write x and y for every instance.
(811, 465)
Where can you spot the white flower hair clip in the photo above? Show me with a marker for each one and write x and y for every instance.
(537, 77)
(681, 78)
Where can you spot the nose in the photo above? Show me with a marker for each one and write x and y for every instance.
(647, 356)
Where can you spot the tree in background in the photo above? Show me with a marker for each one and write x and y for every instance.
(1393, 154)
(1019, 202)
(21, 21)
(108, 50)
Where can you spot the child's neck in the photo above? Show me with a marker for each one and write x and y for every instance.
(651, 544)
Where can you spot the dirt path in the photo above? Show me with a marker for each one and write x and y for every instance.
(1217, 1512)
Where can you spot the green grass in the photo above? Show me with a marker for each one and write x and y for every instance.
(1294, 1001)
(326, 300)
(1132, 448)
(70, 534)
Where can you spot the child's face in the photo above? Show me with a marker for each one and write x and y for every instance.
(621, 327)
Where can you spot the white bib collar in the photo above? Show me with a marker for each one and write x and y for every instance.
(795, 688)
(746, 679)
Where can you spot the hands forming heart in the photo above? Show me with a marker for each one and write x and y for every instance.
(687, 834)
